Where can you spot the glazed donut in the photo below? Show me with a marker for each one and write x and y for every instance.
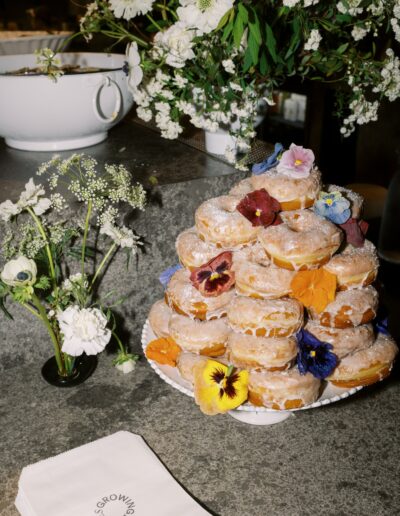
(193, 251)
(367, 366)
(159, 317)
(344, 341)
(202, 337)
(262, 280)
(283, 390)
(356, 200)
(249, 352)
(350, 308)
(304, 240)
(292, 194)
(265, 317)
(355, 267)
(250, 253)
(185, 299)
(219, 222)
(186, 363)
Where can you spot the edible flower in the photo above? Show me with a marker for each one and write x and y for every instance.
(315, 289)
(260, 208)
(166, 275)
(219, 388)
(355, 231)
(333, 206)
(296, 162)
(381, 326)
(164, 351)
(215, 276)
(315, 356)
(271, 161)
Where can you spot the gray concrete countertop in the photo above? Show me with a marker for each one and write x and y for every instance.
(341, 459)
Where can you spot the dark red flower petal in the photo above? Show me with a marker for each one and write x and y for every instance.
(355, 231)
(215, 276)
(259, 208)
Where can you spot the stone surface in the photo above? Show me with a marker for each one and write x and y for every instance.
(337, 460)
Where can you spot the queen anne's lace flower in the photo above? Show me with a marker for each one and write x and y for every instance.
(128, 9)
(84, 330)
(203, 15)
(313, 40)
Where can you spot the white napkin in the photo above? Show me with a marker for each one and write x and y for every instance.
(118, 475)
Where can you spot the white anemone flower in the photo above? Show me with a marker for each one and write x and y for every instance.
(203, 15)
(84, 330)
(19, 272)
(135, 72)
(122, 236)
(128, 9)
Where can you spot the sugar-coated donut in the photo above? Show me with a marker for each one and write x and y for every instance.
(265, 317)
(219, 222)
(350, 308)
(247, 351)
(304, 240)
(367, 366)
(193, 251)
(283, 390)
(261, 279)
(159, 316)
(185, 299)
(250, 253)
(355, 267)
(203, 337)
(344, 341)
(292, 194)
(355, 199)
(187, 362)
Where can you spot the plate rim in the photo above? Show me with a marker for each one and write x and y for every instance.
(145, 339)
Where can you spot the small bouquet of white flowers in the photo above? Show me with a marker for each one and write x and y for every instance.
(40, 240)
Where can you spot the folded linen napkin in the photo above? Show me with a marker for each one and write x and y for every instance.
(117, 475)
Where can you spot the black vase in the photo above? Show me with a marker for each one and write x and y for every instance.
(83, 368)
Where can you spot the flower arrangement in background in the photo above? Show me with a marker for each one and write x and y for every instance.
(42, 240)
(212, 61)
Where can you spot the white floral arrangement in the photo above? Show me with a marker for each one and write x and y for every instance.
(42, 242)
(211, 61)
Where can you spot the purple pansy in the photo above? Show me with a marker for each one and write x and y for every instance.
(166, 275)
(296, 162)
(270, 162)
(381, 326)
(315, 356)
(333, 206)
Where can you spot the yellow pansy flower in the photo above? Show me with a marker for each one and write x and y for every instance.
(219, 388)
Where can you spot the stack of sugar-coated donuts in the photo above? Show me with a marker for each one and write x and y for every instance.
(254, 324)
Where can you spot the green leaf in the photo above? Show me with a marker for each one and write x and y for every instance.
(254, 48)
(263, 64)
(224, 19)
(227, 31)
(43, 283)
(254, 26)
(248, 60)
(271, 42)
(342, 48)
(238, 30)
(243, 13)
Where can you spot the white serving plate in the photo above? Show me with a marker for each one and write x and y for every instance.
(246, 413)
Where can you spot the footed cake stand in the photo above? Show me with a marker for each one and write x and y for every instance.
(245, 413)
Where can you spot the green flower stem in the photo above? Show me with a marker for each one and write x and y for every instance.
(48, 250)
(69, 363)
(126, 34)
(28, 307)
(163, 8)
(102, 263)
(121, 346)
(85, 234)
(154, 22)
(46, 322)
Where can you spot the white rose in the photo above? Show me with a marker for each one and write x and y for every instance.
(177, 42)
(84, 330)
(8, 209)
(127, 366)
(18, 272)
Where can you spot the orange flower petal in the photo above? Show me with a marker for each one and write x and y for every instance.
(315, 289)
(163, 351)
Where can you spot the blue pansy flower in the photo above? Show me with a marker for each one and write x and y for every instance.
(333, 206)
(315, 356)
(166, 275)
(381, 326)
(270, 162)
